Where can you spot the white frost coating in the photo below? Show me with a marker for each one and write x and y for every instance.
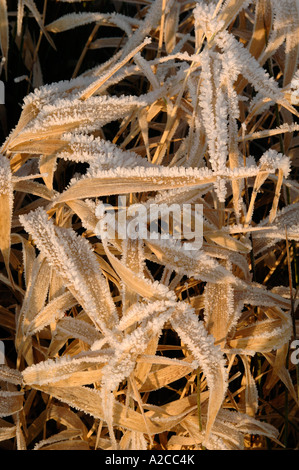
(203, 15)
(200, 343)
(159, 172)
(272, 159)
(77, 264)
(72, 20)
(206, 104)
(223, 297)
(133, 344)
(197, 264)
(50, 93)
(141, 311)
(286, 223)
(250, 68)
(99, 153)
(149, 23)
(54, 370)
(86, 115)
(76, 328)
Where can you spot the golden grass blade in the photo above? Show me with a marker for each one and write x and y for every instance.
(64, 371)
(225, 241)
(292, 46)
(142, 369)
(67, 417)
(268, 133)
(6, 207)
(28, 113)
(96, 187)
(20, 438)
(209, 358)
(52, 312)
(62, 436)
(143, 124)
(32, 187)
(229, 10)
(10, 402)
(234, 163)
(56, 287)
(73, 20)
(85, 213)
(28, 255)
(219, 310)
(73, 258)
(70, 114)
(34, 299)
(74, 444)
(261, 20)
(136, 282)
(69, 327)
(90, 401)
(195, 263)
(283, 373)
(7, 430)
(17, 161)
(260, 179)
(45, 147)
(140, 404)
(254, 294)
(171, 26)
(141, 179)
(47, 166)
(165, 375)
(263, 336)
(223, 438)
(20, 15)
(274, 207)
(239, 261)
(133, 258)
(9, 375)
(230, 429)
(251, 393)
(70, 21)
(278, 362)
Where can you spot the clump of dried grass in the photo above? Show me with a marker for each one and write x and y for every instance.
(139, 344)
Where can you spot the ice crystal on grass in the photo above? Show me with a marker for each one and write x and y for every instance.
(83, 115)
(99, 153)
(209, 358)
(76, 264)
